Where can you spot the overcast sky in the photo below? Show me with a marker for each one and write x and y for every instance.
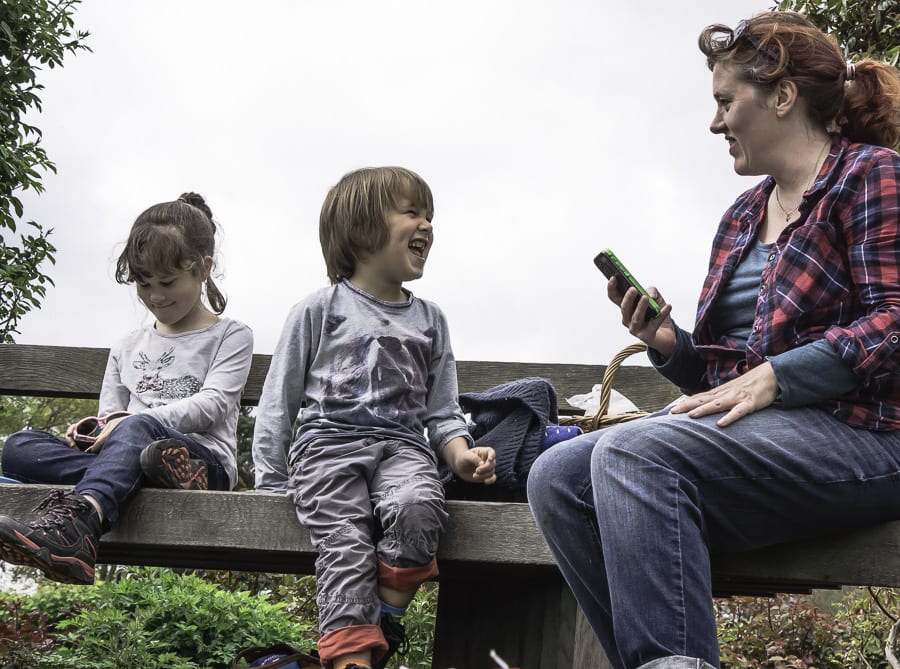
(546, 130)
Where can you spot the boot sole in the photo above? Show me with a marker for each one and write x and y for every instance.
(20, 550)
(167, 464)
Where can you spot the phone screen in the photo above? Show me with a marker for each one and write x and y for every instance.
(607, 262)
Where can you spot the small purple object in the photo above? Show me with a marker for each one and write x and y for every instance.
(270, 659)
(553, 434)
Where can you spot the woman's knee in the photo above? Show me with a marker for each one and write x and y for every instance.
(539, 477)
(561, 467)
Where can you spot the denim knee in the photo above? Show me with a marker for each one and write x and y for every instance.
(18, 453)
(14, 445)
(142, 422)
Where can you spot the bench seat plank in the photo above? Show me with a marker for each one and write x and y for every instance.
(255, 531)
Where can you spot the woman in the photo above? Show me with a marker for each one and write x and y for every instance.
(792, 428)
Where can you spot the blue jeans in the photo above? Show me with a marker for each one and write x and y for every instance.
(110, 476)
(631, 514)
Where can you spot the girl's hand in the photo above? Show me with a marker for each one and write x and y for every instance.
(104, 435)
(69, 432)
(658, 333)
(740, 397)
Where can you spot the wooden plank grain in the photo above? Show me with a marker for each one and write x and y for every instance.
(259, 532)
(62, 371)
(51, 371)
(868, 556)
(197, 528)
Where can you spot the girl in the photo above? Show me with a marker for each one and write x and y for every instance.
(168, 405)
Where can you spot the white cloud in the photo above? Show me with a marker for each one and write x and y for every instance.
(546, 130)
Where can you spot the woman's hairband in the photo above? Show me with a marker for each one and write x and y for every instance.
(850, 73)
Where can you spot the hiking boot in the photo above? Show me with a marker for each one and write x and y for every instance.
(395, 635)
(167, 463)
(62, 543)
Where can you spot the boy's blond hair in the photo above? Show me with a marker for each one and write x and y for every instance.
(353, 221)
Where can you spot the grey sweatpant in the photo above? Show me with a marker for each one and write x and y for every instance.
(365, 502)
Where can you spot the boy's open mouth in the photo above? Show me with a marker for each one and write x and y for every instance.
(418, 247)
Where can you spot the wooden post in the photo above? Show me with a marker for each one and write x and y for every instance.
(533, 624)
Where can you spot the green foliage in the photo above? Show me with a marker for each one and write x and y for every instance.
(50, 414)
(22, 284)
(419, 621)
(33, 34)
(868, 614)
(245, 425)
(155, 619)
(24, 637)
(865, 29)
(783, 631)
(115, 639)
(787, 631)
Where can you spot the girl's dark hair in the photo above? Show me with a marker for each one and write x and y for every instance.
(177, 235)
(353, 220)
(862, 100)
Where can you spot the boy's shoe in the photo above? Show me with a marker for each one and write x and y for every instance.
(62, 542)
(167, 463)
(279, 655)
(395, 635)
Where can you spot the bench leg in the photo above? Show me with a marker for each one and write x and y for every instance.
(534, 624)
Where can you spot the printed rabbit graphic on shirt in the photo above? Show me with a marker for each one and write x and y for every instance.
(152, 380)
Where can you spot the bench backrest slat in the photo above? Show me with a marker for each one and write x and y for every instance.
(60, 371)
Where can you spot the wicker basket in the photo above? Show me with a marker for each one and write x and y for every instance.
(601, 419)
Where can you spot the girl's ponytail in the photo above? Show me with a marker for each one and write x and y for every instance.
(217, 301)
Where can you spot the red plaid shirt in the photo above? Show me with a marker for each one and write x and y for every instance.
(833, 274)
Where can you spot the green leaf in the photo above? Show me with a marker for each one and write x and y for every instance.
(32, 33)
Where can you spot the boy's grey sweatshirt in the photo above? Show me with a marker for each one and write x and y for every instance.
(351, 365)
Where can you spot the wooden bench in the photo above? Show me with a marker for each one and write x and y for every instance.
(499, 588)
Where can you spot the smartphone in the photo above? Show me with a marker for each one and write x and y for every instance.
(607, 262)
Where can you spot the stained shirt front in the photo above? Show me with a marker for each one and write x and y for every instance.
(833, 275)
(349, 364)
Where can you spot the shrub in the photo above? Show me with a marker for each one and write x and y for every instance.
(788, 631)
(156, 619)
(24, 636)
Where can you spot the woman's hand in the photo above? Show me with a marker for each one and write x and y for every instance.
(657, 333)
(740, 397)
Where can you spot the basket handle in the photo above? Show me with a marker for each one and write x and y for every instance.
(608, 375)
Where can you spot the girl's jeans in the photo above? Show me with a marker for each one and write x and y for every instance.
(110, 476)
(631, 514)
